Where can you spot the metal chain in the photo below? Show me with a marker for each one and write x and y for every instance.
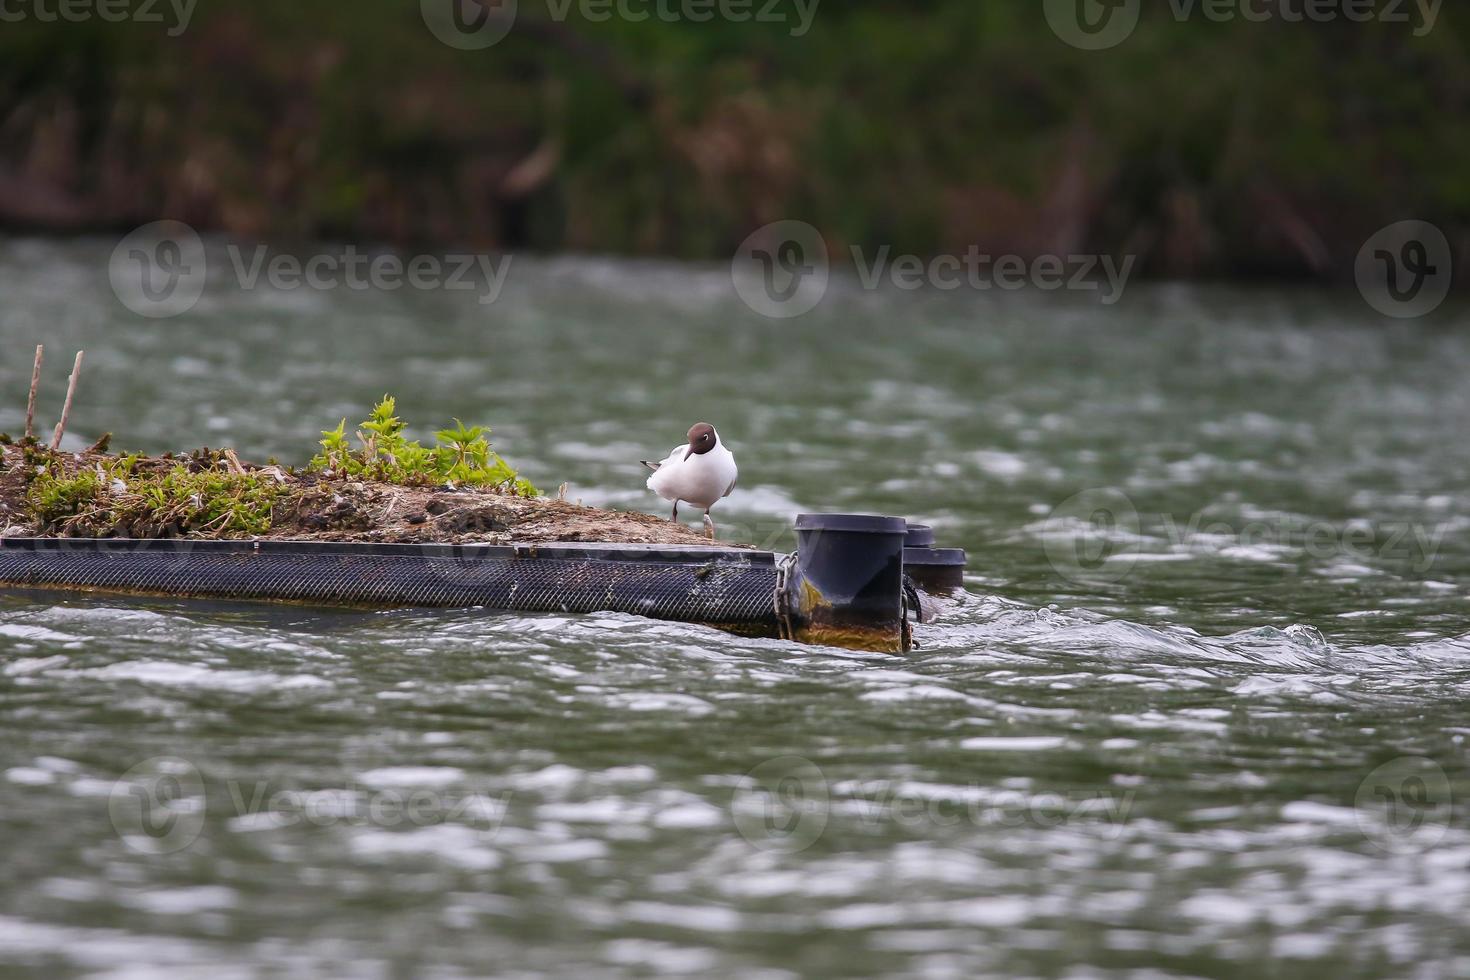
(782, 598)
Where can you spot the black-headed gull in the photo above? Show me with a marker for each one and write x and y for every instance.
(700, 472)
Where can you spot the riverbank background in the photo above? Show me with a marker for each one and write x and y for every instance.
(1200, 708)
(1211, 140)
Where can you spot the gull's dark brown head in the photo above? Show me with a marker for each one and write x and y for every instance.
(702, 439)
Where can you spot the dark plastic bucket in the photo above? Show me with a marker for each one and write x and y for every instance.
(935, 570)
(919, 536)
(847, 585)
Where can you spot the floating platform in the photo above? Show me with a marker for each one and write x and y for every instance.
(844, 586)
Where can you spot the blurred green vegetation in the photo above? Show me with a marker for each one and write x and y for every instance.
(1206, 148)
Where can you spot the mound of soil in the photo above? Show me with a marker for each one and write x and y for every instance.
(314, 507)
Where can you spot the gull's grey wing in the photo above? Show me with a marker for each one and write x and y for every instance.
(670, 458)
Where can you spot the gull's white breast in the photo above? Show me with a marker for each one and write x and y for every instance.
(701, 479)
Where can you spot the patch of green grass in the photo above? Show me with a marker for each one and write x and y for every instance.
(462, 456)
(209, 494)
(55, 498)
(179, 500)
(210, 501)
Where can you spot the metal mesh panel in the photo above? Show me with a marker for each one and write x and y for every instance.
(724, 593)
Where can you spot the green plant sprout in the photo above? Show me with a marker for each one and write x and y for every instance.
(463, 455)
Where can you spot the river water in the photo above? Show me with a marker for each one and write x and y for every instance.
(1201, 710)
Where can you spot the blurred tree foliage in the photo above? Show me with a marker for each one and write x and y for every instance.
(929, 125)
